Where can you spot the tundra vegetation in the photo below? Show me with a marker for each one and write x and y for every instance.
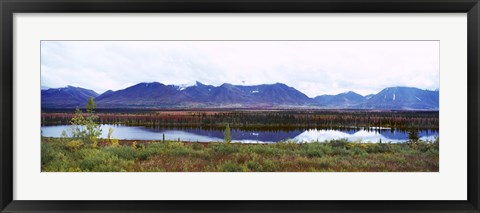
(80, 149)
(285, 156)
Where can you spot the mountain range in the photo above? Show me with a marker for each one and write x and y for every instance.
(267, 96)
(66, 97)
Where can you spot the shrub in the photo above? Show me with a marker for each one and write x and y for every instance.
(240, 157)
(341, 151)
(158, 148)
(123, 152)
(269, 166)
(423, 146)
(339, 143)
(150, 150)
(253, 165)
(224, 148)
(180, 151)
(92, 158)
(113, 164)
(231, 167)
(197, 146)
(74, 145)
(316, 149)
(379, 148)
(104, 162)
(325, 163)
(432, 152)
(359, 151)
(114, 142)
(47, 153)
(312, 152)
(287, 145)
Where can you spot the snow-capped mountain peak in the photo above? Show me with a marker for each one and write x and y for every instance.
(182, 87)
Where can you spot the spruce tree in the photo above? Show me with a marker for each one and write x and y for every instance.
(226, 135)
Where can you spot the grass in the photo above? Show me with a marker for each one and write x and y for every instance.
(59, 155)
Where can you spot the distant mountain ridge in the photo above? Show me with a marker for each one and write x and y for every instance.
(346, 99)
(270, 96)
(402, 98)
(66, 97)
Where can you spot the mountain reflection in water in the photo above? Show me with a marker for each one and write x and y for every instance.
(250, 136)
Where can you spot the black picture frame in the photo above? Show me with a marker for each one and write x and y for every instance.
(9, 7)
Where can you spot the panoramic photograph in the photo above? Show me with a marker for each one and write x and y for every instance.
(240, 106)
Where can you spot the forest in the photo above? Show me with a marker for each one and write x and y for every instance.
(263, 119)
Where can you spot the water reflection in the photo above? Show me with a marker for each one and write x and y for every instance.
(363, 136)
(250, 136)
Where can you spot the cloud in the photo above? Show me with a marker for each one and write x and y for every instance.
(313, 67)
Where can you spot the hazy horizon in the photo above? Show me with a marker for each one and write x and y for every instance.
(312, 67)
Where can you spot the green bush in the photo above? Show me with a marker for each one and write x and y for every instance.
(74, 145)
(197, 146)
(423, 146)
(180, 151)
(47, 153)
(315, 149)
(432, 152)
(359, 151)
(151, 150)
(123, 152)
(325, 163)
(269, 166)
(113, 164)
(254, 165)
(265, 149)
(341, 151)
(288, 145)
(231, 167)
(94, 159)
(312, 152)
(379, 148)
(339, 143)
(224, 148)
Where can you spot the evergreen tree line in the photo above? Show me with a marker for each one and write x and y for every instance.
(264, 119)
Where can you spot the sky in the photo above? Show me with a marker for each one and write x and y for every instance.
(312, 67)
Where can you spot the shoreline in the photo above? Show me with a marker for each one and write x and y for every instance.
(104, 142)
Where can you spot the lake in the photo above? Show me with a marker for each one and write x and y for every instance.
(250, 136)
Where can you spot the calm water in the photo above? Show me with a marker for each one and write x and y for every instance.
(249, 136)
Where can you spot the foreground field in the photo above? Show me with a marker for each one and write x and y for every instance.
(59, 155)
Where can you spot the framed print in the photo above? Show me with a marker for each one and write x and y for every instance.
(239, 106)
